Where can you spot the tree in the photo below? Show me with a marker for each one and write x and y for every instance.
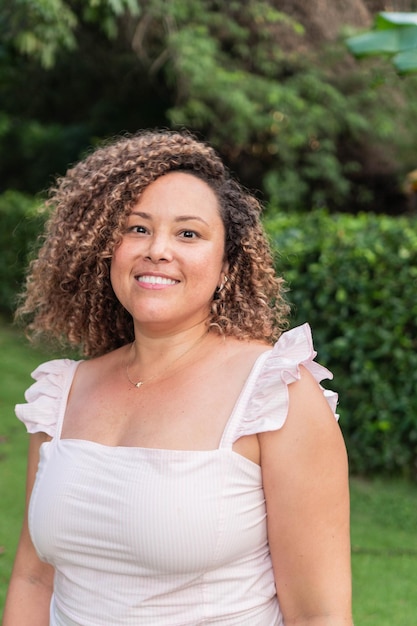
(237, 72)
(41, 29)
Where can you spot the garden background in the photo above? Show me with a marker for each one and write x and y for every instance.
(329, 144)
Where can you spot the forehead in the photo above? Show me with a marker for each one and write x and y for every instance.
(180, 187)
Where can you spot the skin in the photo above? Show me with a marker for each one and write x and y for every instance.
(30, 587)
(305, 478)
(175, 234)
(164, 271)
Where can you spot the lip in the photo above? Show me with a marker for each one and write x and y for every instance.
(155, 281)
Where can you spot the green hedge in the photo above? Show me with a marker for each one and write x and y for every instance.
(20, 223)
(354, 279)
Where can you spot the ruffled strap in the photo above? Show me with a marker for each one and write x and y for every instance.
(264, 405)
(46, 397)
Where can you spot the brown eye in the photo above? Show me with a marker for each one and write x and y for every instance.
(137, 229)
(189, 234)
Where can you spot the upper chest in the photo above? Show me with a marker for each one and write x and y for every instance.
(186, 411)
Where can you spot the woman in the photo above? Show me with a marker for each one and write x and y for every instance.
(188, 472)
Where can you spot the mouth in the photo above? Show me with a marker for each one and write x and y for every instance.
(156, 280)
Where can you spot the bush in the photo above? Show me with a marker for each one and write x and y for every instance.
(20, 223)
(354, 279)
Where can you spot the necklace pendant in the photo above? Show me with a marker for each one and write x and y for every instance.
(139, 384)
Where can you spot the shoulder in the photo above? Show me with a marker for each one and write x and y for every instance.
(305, 481)
(43, 397)
(273, 378)
(292, 359)
(309, 445)
(309, 436)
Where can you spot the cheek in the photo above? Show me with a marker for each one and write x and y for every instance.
(210, 271)
(116, 267)
(120, 257)
(113, 268)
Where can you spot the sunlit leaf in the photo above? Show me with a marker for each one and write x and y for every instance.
(406, 61)
(392, 40)
(386, 20)
(393, 34)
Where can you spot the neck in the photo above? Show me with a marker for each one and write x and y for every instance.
(151, 358)
(163, 343)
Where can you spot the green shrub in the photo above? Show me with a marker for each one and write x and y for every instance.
(20, 223)
(354, 279)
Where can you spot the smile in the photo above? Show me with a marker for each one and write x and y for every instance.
(156, 280)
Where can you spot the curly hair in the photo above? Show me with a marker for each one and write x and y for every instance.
(68, 295)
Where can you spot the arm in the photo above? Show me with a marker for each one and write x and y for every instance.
(305, 478)
(31, 582)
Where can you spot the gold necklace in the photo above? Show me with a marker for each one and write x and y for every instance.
(139, 383)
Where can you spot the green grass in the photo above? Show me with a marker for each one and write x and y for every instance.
(384, 552)
(384, 512)
(17, 360)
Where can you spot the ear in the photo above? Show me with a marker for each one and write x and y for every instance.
(225, 270)
(222, 277)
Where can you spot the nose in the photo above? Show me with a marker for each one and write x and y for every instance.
(159, 248)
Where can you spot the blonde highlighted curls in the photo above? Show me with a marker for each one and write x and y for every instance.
(68, 295)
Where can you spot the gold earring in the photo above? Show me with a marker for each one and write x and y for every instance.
(220, 287)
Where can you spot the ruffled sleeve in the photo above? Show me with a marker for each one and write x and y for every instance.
(44, 398)
(267, 406)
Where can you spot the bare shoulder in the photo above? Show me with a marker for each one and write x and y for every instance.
(96, 367)
(307, 457)
(310, 434)
(244, 350)
(93, 378)
(305, 480)
(105, 360)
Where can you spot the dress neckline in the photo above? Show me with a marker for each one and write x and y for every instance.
(226, 440)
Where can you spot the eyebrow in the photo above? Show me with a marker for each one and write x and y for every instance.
(179, 218)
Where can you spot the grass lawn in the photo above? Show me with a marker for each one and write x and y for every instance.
(384, 552)
(17, 360)
(384, 512)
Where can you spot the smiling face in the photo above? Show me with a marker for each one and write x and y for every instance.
(171, 256)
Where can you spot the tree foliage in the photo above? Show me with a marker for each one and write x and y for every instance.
(21, 222)
(41, 29)
(307, 130)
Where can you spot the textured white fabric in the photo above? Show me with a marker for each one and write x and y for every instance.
(160, 537)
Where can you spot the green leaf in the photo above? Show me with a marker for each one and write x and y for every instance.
(390, 41)
(406, 61)
(386, 20)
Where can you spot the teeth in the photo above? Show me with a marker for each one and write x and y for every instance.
(157, 280)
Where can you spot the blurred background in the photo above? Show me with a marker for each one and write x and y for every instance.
(326, 139)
